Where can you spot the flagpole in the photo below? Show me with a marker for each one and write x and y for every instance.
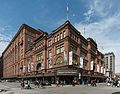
(67, 9)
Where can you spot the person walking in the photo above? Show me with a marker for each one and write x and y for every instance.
(57, 83)
(73, 83)
(29, 87)
(22, 84)
(62, 83)
(87, 82)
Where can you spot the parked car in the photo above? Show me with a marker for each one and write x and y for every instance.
(11, 80)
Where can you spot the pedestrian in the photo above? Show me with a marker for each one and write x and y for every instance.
(73, 83)
(87, 82)
(64, 82)
(22, 84)
(29, 87)
(61, 82)
(57, 83)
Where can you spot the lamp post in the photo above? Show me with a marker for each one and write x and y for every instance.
(36, 75)
(55, 74)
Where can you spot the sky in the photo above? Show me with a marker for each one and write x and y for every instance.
(98, 19)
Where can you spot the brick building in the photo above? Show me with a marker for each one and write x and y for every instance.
(16, 53)
(63, 55)
(1, 67)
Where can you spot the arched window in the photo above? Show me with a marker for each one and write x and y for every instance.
(59, 60)
(38, 66)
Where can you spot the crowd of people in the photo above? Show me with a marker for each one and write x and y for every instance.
(26, 84)
(113, 82)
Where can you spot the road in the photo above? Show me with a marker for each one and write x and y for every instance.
(14, 88)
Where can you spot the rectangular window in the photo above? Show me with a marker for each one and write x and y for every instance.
(60, 49)
(49, 54)
(39, 57)
(49, 43)
(60, 35)
(73, 48)
(55, 39)
(64, 34)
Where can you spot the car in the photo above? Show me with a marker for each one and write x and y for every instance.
(10, 80)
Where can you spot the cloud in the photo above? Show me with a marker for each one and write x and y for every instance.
(5, 37)
(101, 8)
(104, 31)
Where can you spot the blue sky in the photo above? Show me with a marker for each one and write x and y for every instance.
(100, 18)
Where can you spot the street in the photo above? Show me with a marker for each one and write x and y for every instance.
(14, 88)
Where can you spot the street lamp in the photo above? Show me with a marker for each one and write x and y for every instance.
(55, 74)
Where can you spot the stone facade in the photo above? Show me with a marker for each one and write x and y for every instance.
(65, 52)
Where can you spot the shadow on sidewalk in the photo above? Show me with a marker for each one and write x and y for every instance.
(116, 93)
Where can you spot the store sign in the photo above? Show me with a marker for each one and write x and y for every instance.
(70, 58)
(67, 71)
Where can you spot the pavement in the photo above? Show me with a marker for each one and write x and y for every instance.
(14, 88)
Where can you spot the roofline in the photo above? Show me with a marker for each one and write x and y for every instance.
(19, 30)
(63, 25)
(109, 53)
(92, 41)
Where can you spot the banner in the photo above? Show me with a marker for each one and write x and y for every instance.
(70, 57)
(24, 68)
(104, 71)
(92, 63)
(32, 66)
(81, 62)
(65, 57)
(29, 67)
(42, 65)
(101, 69)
